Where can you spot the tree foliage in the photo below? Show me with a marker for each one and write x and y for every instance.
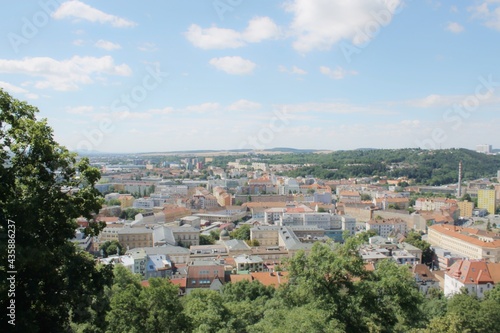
(44, 189)
(415, 239)
(112, 248)
(243, 232)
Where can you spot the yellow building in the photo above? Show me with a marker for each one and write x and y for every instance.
(135, 237)
(126, 200)
(486, 200)
(466, 208)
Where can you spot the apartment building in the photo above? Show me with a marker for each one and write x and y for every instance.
(135, 237)
(466, 208)
(384, 227)
(110, 232)
(468, 242)
(486, 200)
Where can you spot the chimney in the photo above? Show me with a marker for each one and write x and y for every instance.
(459, 188)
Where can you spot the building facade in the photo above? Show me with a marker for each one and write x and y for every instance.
(468, 242)
(486, 200)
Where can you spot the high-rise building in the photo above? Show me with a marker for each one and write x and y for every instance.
(466, 208)
(485, 148)
(486, 200)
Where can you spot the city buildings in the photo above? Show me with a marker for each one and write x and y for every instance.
(471, 243)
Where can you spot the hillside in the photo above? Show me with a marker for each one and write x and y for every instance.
(433, 167)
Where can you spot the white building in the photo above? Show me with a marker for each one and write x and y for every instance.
(384, 227)
(472, 275)
(144, 203)
(484, 148)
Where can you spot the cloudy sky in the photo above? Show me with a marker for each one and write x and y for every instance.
(142, 76)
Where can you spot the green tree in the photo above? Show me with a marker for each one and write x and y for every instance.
(415, 239)
(44, 189)
(113, 202)
(335, 279)
(206, 310)
(134, 308)
(112, 248)
(243, 232)
(130, 213)
(308, 318)
(466, 197)
(206, 240)
(366, 197)
(245, 290)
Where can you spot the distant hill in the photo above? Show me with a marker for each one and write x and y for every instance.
(433, 167)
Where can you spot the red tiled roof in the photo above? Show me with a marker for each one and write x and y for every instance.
(240, 277)
(470, 272)
(181, 282)
(270, 279)
(464, 234)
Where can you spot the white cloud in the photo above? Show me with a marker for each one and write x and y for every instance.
(334, 108)
(337, 73)
(455, 27)
(163, 111)
(148, 47)
(17, 90)
(293, 70)
(80, 109)
(81, 11)
(107, 45)
(78, 42)
(454, 9)
(202, 108)
(258, 29)
(447, 101)
(319, 24)
(490, 16)
(127, 115)
(233, 65)
(244, 105)
(213, 38)
(66, 74)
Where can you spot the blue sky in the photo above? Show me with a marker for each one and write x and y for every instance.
(117, 76)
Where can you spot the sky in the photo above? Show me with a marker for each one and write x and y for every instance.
(153, 76)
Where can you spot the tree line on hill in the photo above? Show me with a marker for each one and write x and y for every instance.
(430, 167)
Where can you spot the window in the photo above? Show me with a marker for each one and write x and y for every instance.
(193, 281)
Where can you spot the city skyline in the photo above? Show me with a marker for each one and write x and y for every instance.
(222, 75)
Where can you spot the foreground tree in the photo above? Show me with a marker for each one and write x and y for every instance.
(43, 190)
(333, 278)
(134, 308)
